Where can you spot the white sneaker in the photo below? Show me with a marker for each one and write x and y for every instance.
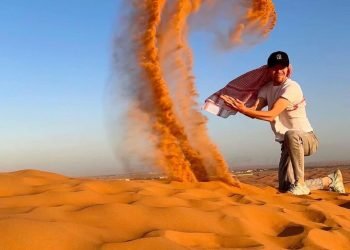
(299, 189)
(337, 184)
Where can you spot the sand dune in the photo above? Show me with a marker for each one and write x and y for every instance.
(40, 210)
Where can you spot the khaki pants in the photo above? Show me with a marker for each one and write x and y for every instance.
(295, 146)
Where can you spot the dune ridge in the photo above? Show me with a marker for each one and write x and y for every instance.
(41, 210)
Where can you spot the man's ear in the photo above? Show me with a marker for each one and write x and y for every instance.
(290, 70)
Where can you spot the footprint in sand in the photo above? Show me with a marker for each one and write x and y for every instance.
(291, 230)
(327, 228)
(241, 199)
(316, 215)
(345, 205)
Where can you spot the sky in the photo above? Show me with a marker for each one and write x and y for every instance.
(56, 61)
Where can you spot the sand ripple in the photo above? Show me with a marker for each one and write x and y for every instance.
(40, 210)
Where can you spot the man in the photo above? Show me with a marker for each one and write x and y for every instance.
(287, 116)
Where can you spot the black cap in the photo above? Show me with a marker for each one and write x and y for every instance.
(278, 58)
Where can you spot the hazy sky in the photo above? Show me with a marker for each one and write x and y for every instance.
(56, 60)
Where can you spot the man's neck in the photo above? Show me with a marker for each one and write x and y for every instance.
(280, 83)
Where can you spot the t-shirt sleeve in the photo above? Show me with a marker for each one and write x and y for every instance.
(263, 93)
(292, 93)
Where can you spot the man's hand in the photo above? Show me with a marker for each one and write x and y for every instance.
(234, 103)
(278, 107)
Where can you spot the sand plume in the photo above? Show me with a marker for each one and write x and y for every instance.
(177, 61)
(260, 18)
(162, 87)
(236, 22)
(180, 159)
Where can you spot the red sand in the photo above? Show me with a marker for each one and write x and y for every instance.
(41, 210)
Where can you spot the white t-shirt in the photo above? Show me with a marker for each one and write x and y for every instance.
(291, 118)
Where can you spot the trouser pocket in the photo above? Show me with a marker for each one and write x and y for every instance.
(312, 143)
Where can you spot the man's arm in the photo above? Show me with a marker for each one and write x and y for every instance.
(259, 104)
(280, 105)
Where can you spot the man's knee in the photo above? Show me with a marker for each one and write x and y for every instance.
(292, 139)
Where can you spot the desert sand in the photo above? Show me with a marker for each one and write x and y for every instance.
(41, 210)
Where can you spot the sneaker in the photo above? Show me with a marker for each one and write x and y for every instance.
(337, 182)
(299, 189)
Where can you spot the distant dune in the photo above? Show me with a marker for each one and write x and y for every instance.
(41, 210)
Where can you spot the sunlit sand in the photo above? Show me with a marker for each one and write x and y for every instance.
(41, 210)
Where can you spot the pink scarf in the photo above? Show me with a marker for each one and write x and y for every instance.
(245, 88)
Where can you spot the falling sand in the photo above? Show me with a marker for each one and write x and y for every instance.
(162, 86)
(41, 210)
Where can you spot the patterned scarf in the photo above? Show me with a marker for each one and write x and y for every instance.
(244, 88)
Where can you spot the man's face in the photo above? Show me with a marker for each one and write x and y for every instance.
(279, 74)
